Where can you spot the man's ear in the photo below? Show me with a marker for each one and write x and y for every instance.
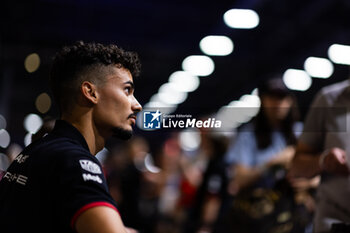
(89, 91)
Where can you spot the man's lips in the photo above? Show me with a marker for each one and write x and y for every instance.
(133, 118)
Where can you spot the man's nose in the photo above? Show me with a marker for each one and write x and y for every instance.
(136, 106)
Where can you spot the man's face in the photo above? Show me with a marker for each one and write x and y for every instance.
(115, 112)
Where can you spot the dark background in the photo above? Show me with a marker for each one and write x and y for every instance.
(164, 33)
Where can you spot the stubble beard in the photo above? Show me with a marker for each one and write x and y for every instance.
(122, 133)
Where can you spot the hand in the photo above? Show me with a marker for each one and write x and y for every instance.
(282, 158)
(334, 162)
(304, 184)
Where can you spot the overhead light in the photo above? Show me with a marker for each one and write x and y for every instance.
(339, 54)
(228, 116)
(216, 45)
(239, 111)
(169, 95)
(243, 111)
(251, 105)
(2, 122)
(157, 103)
(32, 62)
(297, 79)
(318, 67)
(4, 138)
(190, 139)
(4, 162)
(149, 164)
(28, 139)
(164, 108)
(255, 92)
(198, 65)
(184, 81)
(157, 99)
(241, 18)
(32, 123)
(250, 101)
(43, 103)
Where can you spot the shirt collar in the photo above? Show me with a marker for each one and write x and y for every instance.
(65, 129)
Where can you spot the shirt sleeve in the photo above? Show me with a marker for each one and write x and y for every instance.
(314, 126)
(81, 185)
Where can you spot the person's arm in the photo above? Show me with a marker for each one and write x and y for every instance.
(334, 161)
(283, 158)
(210, 213)
(309, 163)
(305, 162)
(243, 177)
(100, 219)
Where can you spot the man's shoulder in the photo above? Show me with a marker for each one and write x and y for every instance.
(336, 88)
(61, 143)
(63, 155)
(60, 147)
(331, 95)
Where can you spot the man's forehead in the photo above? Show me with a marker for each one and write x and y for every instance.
(120, 73)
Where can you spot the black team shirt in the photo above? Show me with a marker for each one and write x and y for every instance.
(51, 183)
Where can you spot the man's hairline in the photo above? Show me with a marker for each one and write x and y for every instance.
(100, 82)
(112, 70)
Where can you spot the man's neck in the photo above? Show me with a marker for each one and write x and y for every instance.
(85, 126)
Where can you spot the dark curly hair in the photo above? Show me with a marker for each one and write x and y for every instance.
(86, 62)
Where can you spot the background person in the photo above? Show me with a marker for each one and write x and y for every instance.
(323, 149)
(268, 139)
(259, 157)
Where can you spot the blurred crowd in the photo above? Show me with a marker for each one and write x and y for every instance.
(240, 183)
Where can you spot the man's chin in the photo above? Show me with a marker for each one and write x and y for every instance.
(122, 133)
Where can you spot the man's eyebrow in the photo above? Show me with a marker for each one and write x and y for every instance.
(131, 84)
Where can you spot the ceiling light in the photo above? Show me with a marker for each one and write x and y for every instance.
(255, 92)
(28, 139)
(32, 62)
(339, 54)
(198, 65)
(43, 102)
(241, 18)
(169, 95)
(4, 162)
(32, 123)
(250, 101)
(2, 122)
(297, 79)
(226, 115)
(243, 110)
(216, 45)
(190, 139)
(318, 67)
(4, 138)
(149, 164)
(184, 81)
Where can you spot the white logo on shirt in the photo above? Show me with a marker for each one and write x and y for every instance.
(90, 166)
(96, 178)
(21, 158)
(18, 178)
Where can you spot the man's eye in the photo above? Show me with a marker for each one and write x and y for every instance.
(128, 89)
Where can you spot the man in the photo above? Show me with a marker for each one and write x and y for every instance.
(322, 149)
(56, 184)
